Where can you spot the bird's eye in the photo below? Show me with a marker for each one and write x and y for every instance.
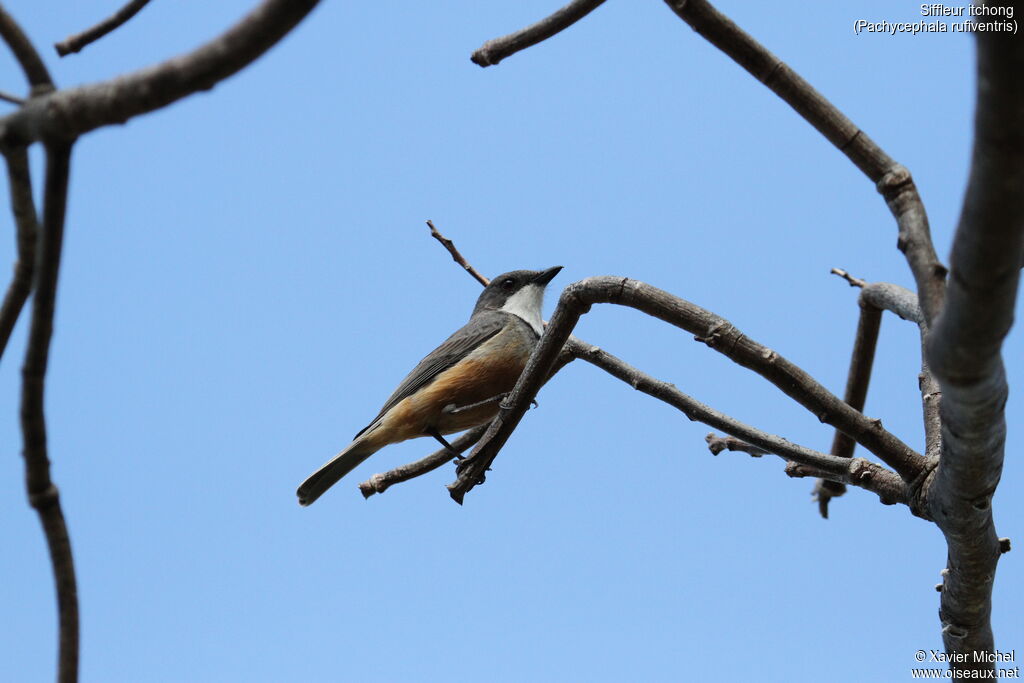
(507, 284)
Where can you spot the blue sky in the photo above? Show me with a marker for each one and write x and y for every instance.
(247, 276)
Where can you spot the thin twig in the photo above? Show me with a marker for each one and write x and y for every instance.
(24, 209)
(854, 281)
(881, 481)
(709, 328)
(865, 342)
(456, 256)
(31, 63)
(90, 35)
(379, 483)
(497, 49)
(42, 493)
(717, 444)
(891, 179)
(13, 99)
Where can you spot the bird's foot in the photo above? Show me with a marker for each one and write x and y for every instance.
(463, 463)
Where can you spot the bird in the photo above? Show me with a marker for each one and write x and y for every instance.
(458, 385)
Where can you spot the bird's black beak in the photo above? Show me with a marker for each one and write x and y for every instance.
(546, 276)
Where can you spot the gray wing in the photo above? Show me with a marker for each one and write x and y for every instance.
(481, 328)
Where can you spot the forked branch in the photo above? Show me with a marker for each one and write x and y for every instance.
(714, 331)
(875, 478)
(379, 483)
(69, 113)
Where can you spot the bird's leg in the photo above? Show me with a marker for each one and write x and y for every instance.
(444, 442)
(452, 409)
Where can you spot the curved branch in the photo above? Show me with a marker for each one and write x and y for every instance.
(903, 302)
(495, 50)
(69, 113)
(42, 493)
(23, 206)
(965, 346)
(27, 56)
(91, 35)
(874, 298)
(714, 331)
(892, 180)
(889, 297)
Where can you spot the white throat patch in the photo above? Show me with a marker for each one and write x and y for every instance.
(525, 305)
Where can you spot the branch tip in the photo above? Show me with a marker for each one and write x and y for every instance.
(497, 49)
(853, 281)
(78, 41)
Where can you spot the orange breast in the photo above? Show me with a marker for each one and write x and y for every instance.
(488, 371)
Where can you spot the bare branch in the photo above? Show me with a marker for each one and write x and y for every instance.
(79, 40)
(965, 347)
(860, 472)
(493, 51)
(891, 179)
(68, 113)
(881, 481)
(858, 378)
(717, 444)
(42, 493)
(24, 209)
(379, 483)
(31, 63)
(711, 329)
(456, 256)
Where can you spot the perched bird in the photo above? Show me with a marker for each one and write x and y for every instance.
(460, 383)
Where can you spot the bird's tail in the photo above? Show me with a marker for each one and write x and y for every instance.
(336, 468)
